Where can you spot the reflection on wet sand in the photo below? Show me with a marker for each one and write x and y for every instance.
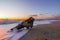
(2, 33)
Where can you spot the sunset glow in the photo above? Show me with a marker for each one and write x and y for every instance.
(22, 9)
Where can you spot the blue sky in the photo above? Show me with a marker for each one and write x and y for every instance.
(20, 8)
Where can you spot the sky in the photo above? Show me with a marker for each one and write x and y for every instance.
(26, 8)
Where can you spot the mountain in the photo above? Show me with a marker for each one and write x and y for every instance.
(9, 21)
(55, 18)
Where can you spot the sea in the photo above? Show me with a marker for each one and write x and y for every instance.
(6, 25)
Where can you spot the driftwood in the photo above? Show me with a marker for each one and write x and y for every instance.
(27, 23)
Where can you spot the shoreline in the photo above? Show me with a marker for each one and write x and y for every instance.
(44, 32)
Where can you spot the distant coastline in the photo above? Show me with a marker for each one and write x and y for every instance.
(6, 21)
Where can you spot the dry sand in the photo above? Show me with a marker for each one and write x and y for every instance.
(44, 32)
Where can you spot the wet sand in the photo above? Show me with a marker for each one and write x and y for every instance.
(44, 32)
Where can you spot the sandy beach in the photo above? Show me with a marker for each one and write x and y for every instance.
(44, 32)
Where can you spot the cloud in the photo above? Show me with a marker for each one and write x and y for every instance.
(34, 15)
